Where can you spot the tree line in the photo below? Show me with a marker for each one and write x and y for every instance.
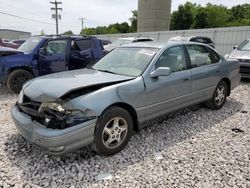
(187, 16)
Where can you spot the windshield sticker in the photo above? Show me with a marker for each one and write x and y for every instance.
(147, 52)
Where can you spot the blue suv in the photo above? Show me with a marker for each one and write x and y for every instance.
(43, 55)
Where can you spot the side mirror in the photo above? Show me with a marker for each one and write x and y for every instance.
(161, 71)
(235, 47)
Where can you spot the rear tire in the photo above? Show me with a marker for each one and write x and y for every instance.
(17, 79)
(219, 96)
(113, 131)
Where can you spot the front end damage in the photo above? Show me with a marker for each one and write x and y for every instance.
(51, 127)
(52, 114)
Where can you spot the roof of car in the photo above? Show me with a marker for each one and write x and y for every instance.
(133, 38)
(159, 44)
(177, 38)
(64, 36)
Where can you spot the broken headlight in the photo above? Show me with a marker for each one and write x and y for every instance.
(59, 118)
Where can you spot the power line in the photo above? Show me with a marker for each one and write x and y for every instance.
(32, 20)
(56, 16)
(20, 17)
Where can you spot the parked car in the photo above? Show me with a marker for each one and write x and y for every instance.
(11, 45)
(105, 104)
(242, 53)
(4, 43)
(6, 40)
(106, 42)
(200, 39)
(43, 55)
(123, 41)
(18, 42)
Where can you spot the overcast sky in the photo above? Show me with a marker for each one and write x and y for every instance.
(96, 12)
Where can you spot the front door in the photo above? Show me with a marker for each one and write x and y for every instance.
(52, 57)
(168, 93)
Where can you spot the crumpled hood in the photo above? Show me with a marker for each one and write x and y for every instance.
(53, 86)
(237, 54)
(4, 51)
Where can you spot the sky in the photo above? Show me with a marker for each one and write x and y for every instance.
(96, 12)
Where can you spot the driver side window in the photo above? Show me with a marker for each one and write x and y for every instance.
(56, 47)
(174, 58)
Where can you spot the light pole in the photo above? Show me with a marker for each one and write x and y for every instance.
(56, 16)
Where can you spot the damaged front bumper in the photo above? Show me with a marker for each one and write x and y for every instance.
(55, 141)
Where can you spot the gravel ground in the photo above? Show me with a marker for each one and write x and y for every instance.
(195, 147)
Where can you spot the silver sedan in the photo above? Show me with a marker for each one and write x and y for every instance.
(105, 104)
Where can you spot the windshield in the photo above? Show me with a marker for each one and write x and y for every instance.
(30, 44)
(121, 42)
(245, 46)
(126, 61)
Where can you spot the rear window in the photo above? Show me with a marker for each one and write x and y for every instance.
(245, 46)
(202, 40)
(142, 40)
(84, 44)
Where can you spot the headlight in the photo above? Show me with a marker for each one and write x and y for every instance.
(57, 117)
(53, 106)
(20, 97)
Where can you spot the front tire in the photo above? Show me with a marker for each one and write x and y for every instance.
(219, 96)
(113, 131)
(17, 79)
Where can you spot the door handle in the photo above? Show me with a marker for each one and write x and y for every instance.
(186, 79)
(217, 71)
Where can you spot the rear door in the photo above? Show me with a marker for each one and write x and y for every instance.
(205, 70)
(80, 54)
(52, 57)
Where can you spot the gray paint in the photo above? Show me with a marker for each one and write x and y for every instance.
(149, 97)
(153, 15)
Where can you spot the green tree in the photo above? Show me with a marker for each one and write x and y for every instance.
(183, 17)
(68, 33)
(200, 19)
(133, 21)
(217, 16)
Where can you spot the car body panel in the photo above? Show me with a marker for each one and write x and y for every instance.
(124, 41)
(243, 56)
(73, 80)
(40, 64)
(49, 139)
(149, 97)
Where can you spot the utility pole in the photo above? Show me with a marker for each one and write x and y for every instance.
(82, 20)
(56, 15)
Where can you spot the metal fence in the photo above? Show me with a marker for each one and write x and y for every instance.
(224, 38)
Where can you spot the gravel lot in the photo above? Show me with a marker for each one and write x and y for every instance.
(195, 147)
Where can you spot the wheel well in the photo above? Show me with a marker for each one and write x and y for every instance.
(131, 111)
(23, 68)
(228, 82)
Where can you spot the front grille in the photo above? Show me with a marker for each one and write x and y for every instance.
(29, 107)
(244, 60)
(29, 103)
(245, 70)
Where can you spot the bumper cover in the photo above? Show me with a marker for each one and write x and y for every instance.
(245, 70)
(68, 139)
(3, 79)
